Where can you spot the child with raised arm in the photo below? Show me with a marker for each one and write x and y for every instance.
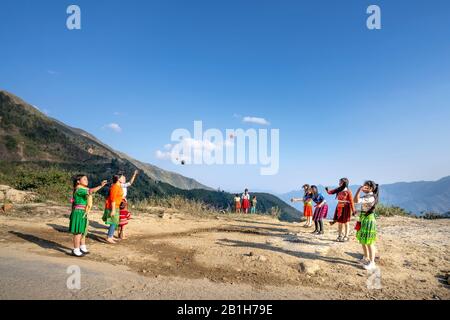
(124, 214)
(344, 209)
(366, 227)
(307, 205)
(78, 225)
(320, 211)
(112, 207)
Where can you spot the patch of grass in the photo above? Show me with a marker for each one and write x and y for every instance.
(390, 211)
(176, 202)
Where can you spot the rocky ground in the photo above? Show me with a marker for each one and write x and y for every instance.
(171, 255)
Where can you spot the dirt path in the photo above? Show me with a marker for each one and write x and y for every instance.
(226, 257)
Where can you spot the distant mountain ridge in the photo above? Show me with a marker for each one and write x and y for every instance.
(28, 138)
(416, 197)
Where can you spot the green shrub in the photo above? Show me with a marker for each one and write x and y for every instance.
(390, 211)
(49, 183)
(434, 216)
(11, 143)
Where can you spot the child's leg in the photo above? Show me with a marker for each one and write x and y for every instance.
(76, 241)
(346, 229)
(366, 252)
(340, 229)
(83, 246)
(321, 225)
(122, 232)
(372, 253)
(112, 228)
(316, 225)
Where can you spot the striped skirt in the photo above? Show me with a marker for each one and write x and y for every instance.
(320, 213)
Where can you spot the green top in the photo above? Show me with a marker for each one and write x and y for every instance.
(80, 196)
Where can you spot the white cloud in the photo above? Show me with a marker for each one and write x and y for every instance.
(52, 72)
(256, 120)
(192, 144)
(114, 127)
(163, 155)
(188, 145)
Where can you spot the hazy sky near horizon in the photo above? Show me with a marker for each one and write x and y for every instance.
(348, 101)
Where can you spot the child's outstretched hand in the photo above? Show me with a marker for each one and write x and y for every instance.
(104, 183)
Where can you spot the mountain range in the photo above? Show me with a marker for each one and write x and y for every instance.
(29, 138)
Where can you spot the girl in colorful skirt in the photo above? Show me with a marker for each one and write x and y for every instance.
(112, 207)
(344, 209)
(320, 211)
(307, 205)
(246, 201)
(254, 204)
(78, 218)
(237, 203)
(125, 215)
(366, 227)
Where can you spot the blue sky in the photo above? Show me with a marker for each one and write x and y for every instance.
(348, 101)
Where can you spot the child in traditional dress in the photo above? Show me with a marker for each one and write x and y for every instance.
(254, 203)
(307, 205)
(112, 207)
(320, 211)
(125, 215)
(366, 227)
(237, 203)
(344, 209)
(78, 225)
(246, 201)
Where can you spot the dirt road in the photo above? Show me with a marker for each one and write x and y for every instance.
(177, 256)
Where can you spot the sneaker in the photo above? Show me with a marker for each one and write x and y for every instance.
(369, 267)
(321, 232)
(77, 253)
(84, 250)
(339, 239)
(315, 232)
